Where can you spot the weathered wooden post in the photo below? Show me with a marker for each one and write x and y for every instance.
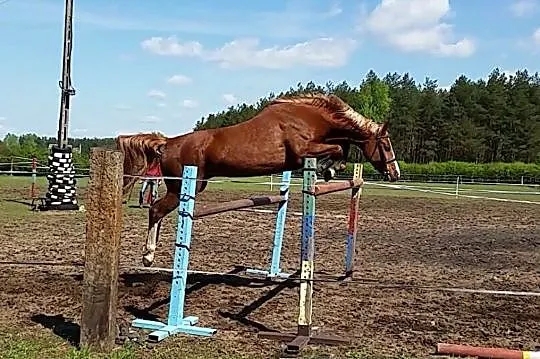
(103, 228)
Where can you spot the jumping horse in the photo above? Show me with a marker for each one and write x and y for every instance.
(276, 139)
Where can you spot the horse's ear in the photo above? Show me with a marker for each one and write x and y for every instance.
(384, 127)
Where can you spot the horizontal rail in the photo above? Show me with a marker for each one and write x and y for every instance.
(484, 352)
(326, 188)
(210, 209)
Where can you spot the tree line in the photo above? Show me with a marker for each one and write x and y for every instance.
(484, 121)
(479, 121)
(31, 145)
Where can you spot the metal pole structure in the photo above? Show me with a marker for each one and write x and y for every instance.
(65, 84)
(61, 194)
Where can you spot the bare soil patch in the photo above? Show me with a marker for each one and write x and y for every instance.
(453, 243)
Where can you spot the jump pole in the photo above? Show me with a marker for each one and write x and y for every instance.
(34, 172)
(352, 228)
(485, 352)
(305, 334)
(177, 322)
(275, 270)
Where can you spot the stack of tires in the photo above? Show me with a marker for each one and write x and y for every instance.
(62, 183)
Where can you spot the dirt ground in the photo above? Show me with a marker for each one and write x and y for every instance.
(417, 241)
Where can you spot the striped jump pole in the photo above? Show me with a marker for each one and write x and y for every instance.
(34, 172)
(275, 262)
(310, 189)
(177, 322)
(352, 228)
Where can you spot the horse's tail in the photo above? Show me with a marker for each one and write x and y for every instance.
(139, 151)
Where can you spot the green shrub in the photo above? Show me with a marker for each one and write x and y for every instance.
(496, 170)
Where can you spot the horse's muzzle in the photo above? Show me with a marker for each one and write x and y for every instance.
(391, 176)
(392, 172)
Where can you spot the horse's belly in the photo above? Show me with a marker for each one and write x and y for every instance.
(246, 151)
(249, 163)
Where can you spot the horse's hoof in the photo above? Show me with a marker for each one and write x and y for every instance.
(329, 174)
(147, 260)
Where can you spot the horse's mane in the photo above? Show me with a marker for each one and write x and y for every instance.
(139, 150)
(335, 107)
(142, 140)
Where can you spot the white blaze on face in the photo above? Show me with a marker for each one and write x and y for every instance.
(397, 169)
(395, 164)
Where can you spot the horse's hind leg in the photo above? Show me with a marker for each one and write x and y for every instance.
(158, 210)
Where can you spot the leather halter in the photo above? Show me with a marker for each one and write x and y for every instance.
(382, 152)
(379, 146)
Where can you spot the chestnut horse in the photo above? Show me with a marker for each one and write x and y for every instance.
(277, 139)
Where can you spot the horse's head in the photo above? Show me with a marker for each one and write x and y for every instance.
(377, 149)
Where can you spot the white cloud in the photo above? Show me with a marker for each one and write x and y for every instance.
(536, 36)
(2, 118)
(323, 52)
(190, 103)
(80, 130)
(417, 26)
(161, 104)
(179, 80)
(156, 94)
(521, 8)
(151, 119)
(230, 98)
(246, 52)
(171, 46)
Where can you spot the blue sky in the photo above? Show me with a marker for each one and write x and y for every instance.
(141, 65)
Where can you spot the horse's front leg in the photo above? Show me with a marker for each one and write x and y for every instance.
(158, 210)
(328, 165)
(326, 154)
(338, 165)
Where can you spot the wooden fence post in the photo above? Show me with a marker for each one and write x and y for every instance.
(103, 228)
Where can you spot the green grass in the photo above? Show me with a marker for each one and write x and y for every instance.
(502, 191)
(15, 189)
(45, 345)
